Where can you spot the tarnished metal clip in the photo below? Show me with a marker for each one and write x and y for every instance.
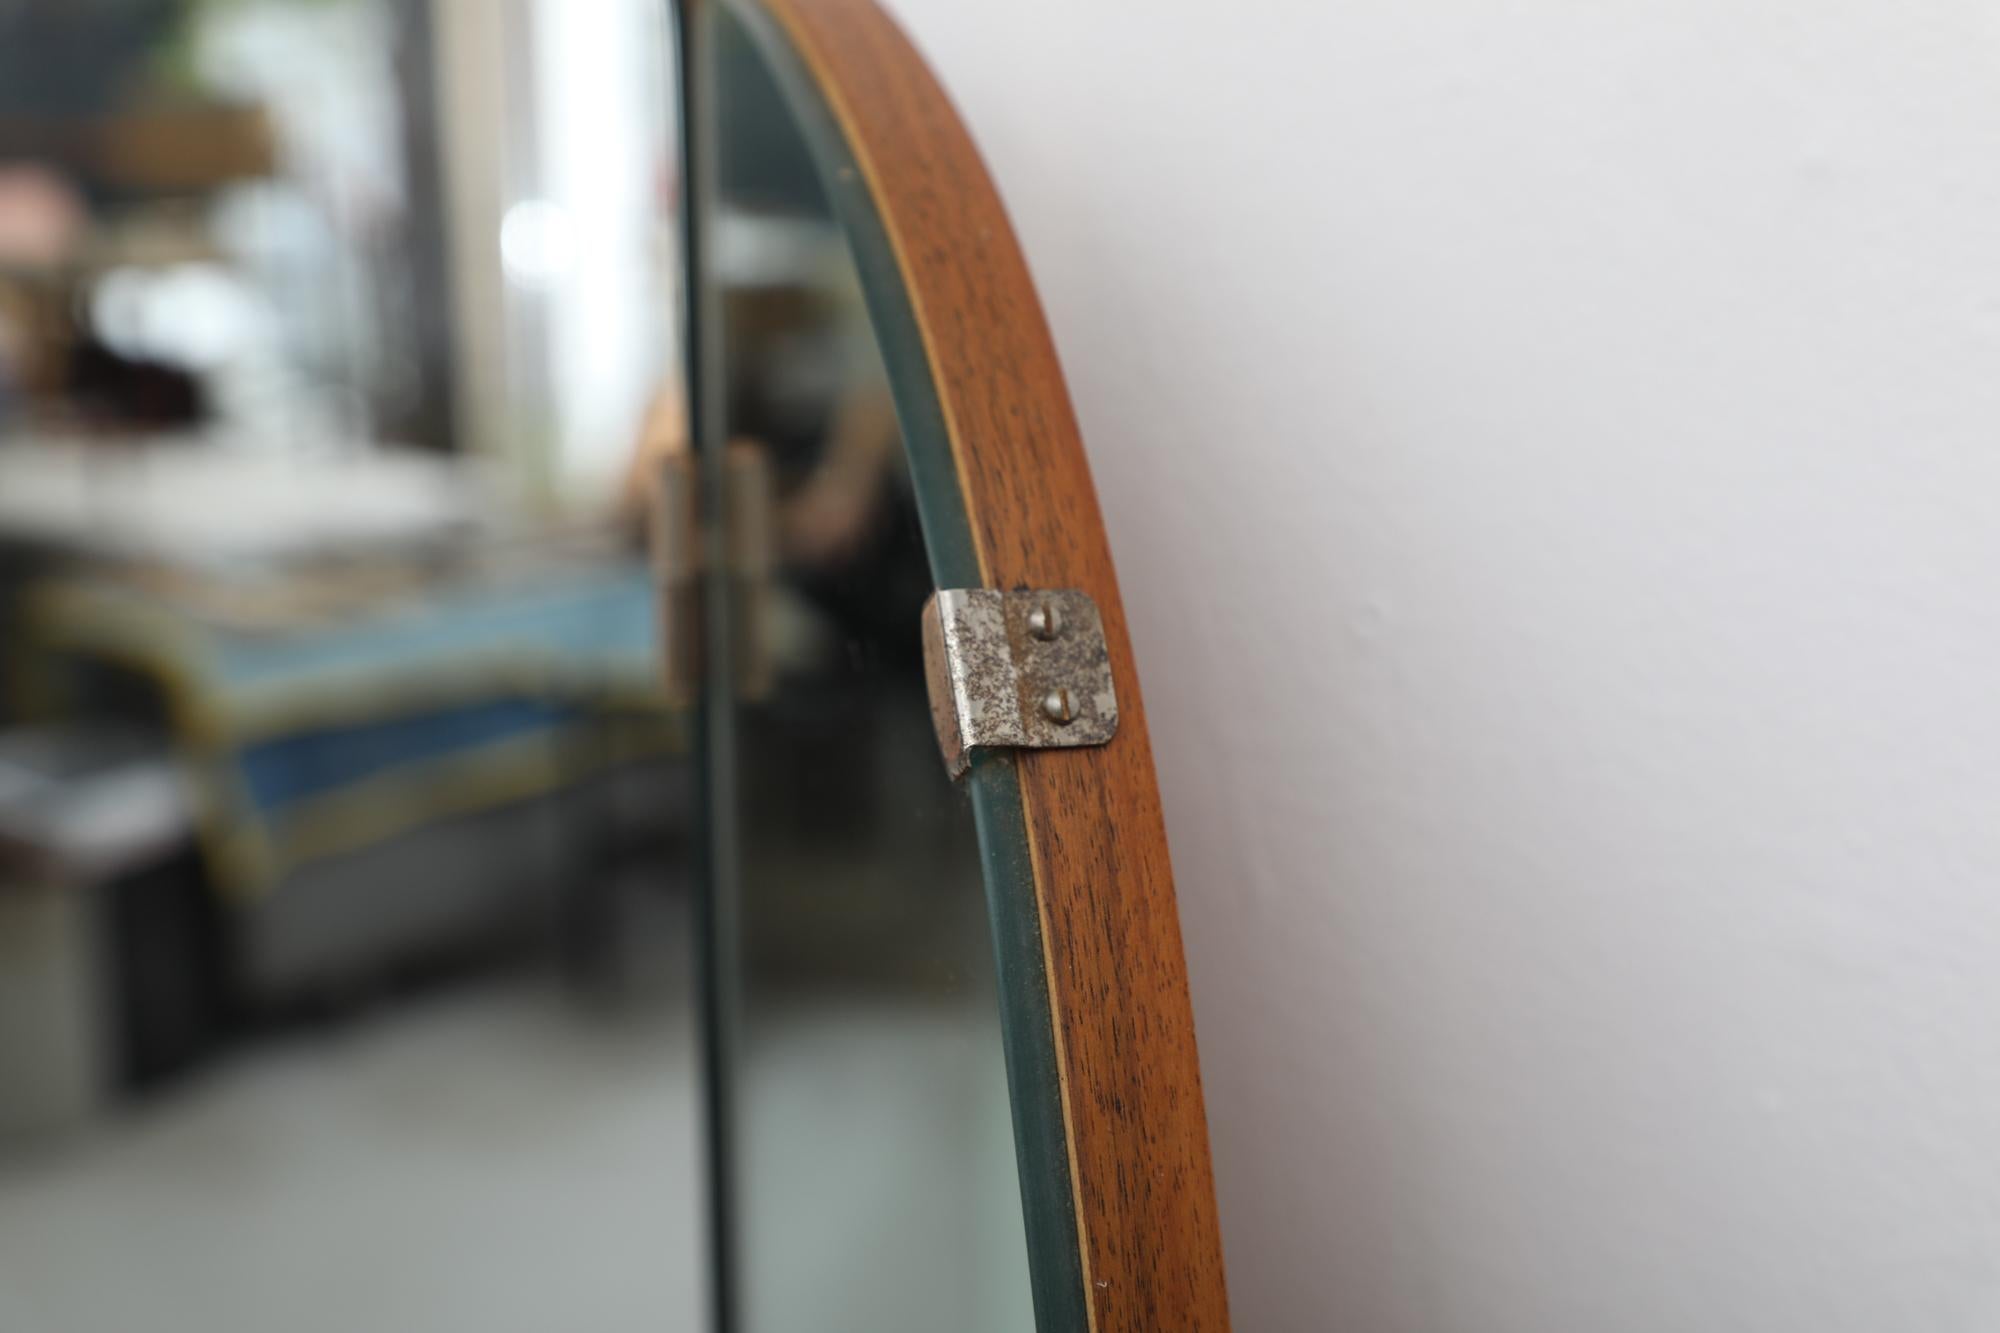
(1025, 669)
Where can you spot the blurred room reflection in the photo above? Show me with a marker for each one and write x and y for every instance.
(344, 924)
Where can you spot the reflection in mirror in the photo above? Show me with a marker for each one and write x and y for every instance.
(343, 874)
(872, 1182)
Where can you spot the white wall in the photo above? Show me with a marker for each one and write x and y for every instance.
(1553, 456)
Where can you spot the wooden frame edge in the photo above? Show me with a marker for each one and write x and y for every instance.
(1130, 1078)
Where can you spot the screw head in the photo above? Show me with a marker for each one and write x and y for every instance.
(1058, 707)
(1045, 621)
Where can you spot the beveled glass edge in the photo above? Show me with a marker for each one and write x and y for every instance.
(714, 921)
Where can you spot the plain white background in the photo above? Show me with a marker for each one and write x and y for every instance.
(1552, 452)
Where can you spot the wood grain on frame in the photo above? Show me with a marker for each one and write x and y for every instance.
(1131, 1083)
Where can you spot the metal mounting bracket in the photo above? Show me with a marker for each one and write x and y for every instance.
(1024, 669)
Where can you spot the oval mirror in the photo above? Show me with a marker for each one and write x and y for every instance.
(562, 693)
(953, 1068)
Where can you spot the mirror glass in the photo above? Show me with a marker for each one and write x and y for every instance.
(345, 832)
(871, 1167)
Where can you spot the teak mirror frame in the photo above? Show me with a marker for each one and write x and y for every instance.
(1104, 1069)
